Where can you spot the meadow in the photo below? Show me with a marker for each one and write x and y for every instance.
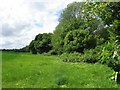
(25, 70)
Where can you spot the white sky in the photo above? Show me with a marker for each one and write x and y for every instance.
(22, 20)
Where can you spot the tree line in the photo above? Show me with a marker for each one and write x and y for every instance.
(90, 30)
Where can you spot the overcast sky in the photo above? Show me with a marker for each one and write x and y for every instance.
(22, 20)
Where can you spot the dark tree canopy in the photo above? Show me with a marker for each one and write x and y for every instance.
(42, 43)
(75, 18)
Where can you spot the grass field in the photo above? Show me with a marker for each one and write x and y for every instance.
(24, 70)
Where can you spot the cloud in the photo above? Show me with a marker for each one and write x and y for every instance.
(13, 31)
(22, 20)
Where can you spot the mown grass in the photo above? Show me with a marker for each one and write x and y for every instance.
(24, 70)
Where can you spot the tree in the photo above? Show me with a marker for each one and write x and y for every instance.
(24, 49)
(74, 17)
(42, 43)
(67, 22)
(32, 47)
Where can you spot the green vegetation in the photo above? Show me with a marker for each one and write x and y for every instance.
(87, 33)
(91, 29)
(23, 70)
(42, 43)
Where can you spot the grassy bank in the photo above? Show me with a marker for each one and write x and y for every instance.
(23, 70)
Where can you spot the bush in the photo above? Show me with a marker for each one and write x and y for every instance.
(71, 57)
(51, 52)
(91, 56)
(110, 55)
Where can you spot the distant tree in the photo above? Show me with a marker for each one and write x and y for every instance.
(32, 47)
(42, 43)
(24, 49)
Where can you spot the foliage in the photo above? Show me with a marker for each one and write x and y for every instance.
(111, 14)
(106, 52)
(73, 33)
(42, 43)
(68, 21)
(109, 54)
(99, 20)
(91, 29)
(90, 56)
(77, 41)
(115, 63)
(74, 41)
(71, 57)
(32, 47)
(24, 49)
(51, 52)
(87, 33)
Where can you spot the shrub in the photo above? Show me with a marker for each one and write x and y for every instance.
(90, 56)
(52, 52)
(110, 55)
(71, 57)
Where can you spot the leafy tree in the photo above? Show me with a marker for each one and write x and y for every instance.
(74, 17)
(67, 22)
(24, 49)
(77, 41)
(74, 41)
(109, 15)
(32, 47)
(42, 43)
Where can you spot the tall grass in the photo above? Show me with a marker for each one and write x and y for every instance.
(23, 70)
